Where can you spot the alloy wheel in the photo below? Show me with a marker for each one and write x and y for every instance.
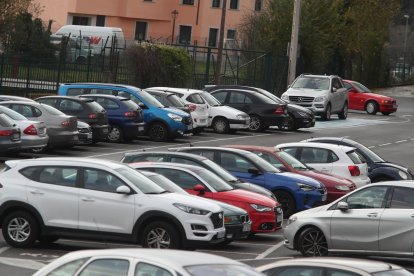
(114, 135)
(313, 243)
(19, 229)
(255, 123)
(158, 238)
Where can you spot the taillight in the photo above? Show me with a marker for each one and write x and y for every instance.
(6, 132)
(129, 114)
(65, 123)
(93, 116)
(191, 107)
(30, 130)
(279, 111)
(354, 170)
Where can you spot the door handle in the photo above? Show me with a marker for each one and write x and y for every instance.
(372, 215)
(36, 192)
(412, 216)
(87, 199)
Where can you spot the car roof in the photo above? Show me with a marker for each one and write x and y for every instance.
(216, 148)
(172, 153)
(79, 99)
(334, 139)
(318, 76)
(56, 160)
(251, 147)
(22, 102)
(150, 90)
(166, 165)
(178, 90)
(317, 145)
(16, 98)
(101, 84)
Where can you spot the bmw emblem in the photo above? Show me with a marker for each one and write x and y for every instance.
(220, 216)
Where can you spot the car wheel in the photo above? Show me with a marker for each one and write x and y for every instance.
(327, 115)
(386, 113)
(256, 123)
(289, 124)
(47, 239)
(344, 112)
(158, 132)
(312, 242)
(20, 229)
(287, 202)
(221, 125)
(115, 135)
(371, 108)
(161, 235)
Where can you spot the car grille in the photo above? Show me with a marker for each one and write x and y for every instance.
(187, 120)
(217, 220)
(300, 99)
(244, 218)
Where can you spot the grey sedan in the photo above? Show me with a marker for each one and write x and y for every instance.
(9, 134)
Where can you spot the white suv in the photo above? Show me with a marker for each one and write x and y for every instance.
(48, 198)
(324, 95)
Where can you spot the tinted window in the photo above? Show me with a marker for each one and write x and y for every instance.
(51, 102)
(312, 83)
(402, 198)
(238, 98)
(234, 162)
(107, 104)
(70, 106)
(292, 151)
(106, 267)
(269, 158)
(131, 105)
(150, 99)
(144, 269)
(174, 100)
(60, 176)
(220, 96)
(102, 91)
(317, 155)
(52, 110)
(296, 270)
(101, 181)
(30, 172)
(68, 268)
(140, 181)
(77, 91)
(337, 83)
(25, 110)
(195, 98)
(183, 179)
(372, 197)
(354, 157)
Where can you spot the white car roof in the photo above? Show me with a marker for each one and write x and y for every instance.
(185, 91)
(332, 147)
(62, 160)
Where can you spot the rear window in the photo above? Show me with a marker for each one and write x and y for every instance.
(76, 91)
(130, 104)
(95, 106)
(12, 114)
(195, 98)
(5, 121)
(354, 157)
(52, 110)
(175, 100)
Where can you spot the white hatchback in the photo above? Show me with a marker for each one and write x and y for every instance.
(329, 158)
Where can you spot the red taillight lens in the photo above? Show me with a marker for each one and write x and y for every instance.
(191, 107)
(65, 123)
(93, 116)
(130, 114)
(6, 133)
(280, 110)
(354, 170)
(30, 130)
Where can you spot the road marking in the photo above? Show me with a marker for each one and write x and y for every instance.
(3, 249)
(22, 263)
(401, 141)
(228, 252)
(270, 250)
(371, 147)
(383, 145)
(252, 244)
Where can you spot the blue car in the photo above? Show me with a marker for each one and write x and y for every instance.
(124, 116)
(293, 191)
(161, 123)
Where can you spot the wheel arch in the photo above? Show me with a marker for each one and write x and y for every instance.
(157, 120)
(13, 206)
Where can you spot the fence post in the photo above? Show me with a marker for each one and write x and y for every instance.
(28, 74)
(62, 55)
(1, 71)
(237, 68)
(207, 73)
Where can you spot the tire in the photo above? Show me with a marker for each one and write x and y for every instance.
(386, 113)
(326, 116)
(163, 230)
(312, 242)
(344, 112)
(30, 229)
(221, 125)
(371, 107)
(256, 123)
(116, 135)
(287, 202)
(47, 239)
(158, 132)
(197, 130)
(289, 124)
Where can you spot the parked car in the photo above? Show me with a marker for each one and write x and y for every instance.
(332, 266)
(236, 220)
(169, 99)
(299, 117)
(145, 262)
(378, 168)
(196, 160)
(336, 186)
(61, 128)
(191, 97)
(99, 199)
(4, 98)
(328, 158)
(32, 133)
(374, 219)
(85, 133)
(324, 95)
(263, 111)
(294, 192)
(361, 98)
(86, 110)
(161, 123)
(124, 117)
(265, 213)
(10, 140)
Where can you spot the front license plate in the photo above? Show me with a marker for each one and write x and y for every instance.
(89, 136)
(246, 227)
(221, 235)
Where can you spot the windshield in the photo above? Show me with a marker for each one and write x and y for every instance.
(12, 114)
(372, 156)
(312, 83)
(214, 181)
(270, 95)
(144, 184)
(221, 270)
(220, 171)
(292, 161)
(166, 184)
(361, 87)
(263, 164)
(52, 110)
(175, 101)
(148, 98)
(210, 99)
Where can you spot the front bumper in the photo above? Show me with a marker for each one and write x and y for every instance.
(264, 222)
(239, 124)
(238, 231)
(305, 122)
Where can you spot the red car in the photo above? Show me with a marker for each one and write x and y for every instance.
(335, 185)
(265, 213)
(361, 98)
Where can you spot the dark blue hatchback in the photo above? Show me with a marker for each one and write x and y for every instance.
(124, 116)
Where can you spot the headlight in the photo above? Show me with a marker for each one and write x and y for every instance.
(191, 210)
(306, 187)
(386, 101)
(302, 114)
(319, 99)
(231, 219)
(241, 117)
(261, 208)
(285, 97)
(292, 219)
(175, 117)
(403, 175)
(342, 188)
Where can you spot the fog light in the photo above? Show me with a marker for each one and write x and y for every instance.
(229, 236)
(198, 227)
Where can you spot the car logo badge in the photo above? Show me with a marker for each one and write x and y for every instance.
(299, 99)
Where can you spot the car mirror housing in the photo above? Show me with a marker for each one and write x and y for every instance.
(334, 89)
(200, 189)
(343, 206)
(255, 171)
(142, 105)
(123, 190)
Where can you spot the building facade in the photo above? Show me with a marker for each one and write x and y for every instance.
(177, 21)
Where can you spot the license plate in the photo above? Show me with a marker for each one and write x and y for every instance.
(140, 128)
(324, 197)
(246, 227)
(221, 234)
(279, 218)
(89, 136)
(190, 127)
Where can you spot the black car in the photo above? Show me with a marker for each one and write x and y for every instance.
(378, 168)
(264, 112)
(86, 110)
(299, 117)
(169, 99)
(196, 160)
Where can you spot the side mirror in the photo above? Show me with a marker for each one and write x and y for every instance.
(142, 105)
(283, 169)
(200, 189)
(255, 171)
(343, 206)
(123, 190)
(334, 89)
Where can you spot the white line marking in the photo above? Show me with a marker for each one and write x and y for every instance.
(270, 250)
(22, 263)
(270, 235)
(371, 147)
(228, 252)
(3, 249)
(252, 244)
(401, 141)
(386, 144)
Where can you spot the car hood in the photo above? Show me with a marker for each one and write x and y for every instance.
(176, 111)
(253, 188)
(246, 197)
(377, 96)
(294, 177)
(312, 211)
(306, 92)
(188, 200)
(326, 178)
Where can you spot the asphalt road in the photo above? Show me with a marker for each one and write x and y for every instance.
(392, 137)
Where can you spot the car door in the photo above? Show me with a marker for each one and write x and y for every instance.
(396, 229)
(240, 101)
(317, 158)
(101, 208)
(54, 193)
(357, 227)
(338, 97)
(356, 100)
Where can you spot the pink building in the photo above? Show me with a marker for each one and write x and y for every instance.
(196, 21)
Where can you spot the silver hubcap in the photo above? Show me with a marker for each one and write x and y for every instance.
(370, 108)
(220, 126)
(314, 244)
(18, 229)
(254, 123)
(158, 238)
(114, 135)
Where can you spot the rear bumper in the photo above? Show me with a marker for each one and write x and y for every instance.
(273, 120)
(133, 129)
(8, 146)
(34, 142)
(100, 132)
(64, 139)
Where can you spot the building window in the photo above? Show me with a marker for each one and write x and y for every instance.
(216, 4)
(80, 20)
(234, 4)
(212, 37)
(100, 20)
(231, 34)
(188, 2)
(141, 30)
(185, 35)
(258, 5)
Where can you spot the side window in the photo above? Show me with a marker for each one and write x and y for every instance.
(106, 267)
(68, 268)
(297, 270)
(51, 102)
(269, 158)
(234, 162)
(30, 172)
(338, 272)
(220, 96)
(102, 91)
(315, 155)
(248, 99)
(129, 96)
(402, 198)
(195, 98)
(368, 198)
(183, 161)
(144, 269)
(37, 112)
(336, 83)
(25, 110)
(70, 106)
(236, 98)
(182, 179)
(103, 181)
(77, 91)
(207, 154)
(292, 151)
(148, 158)
(61, 176)
(356, 158)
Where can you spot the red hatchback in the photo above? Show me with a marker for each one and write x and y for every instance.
(335, 185)
(361, 98)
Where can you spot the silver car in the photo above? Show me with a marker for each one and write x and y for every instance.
(9, 135)
(376, 219)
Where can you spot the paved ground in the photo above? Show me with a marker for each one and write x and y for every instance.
(392, 137)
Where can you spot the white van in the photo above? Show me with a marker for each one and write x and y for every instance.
(98, 38)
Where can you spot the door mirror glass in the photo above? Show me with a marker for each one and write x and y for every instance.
(200, 189)
(123, 190)
(343, 206)
(255, 171)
